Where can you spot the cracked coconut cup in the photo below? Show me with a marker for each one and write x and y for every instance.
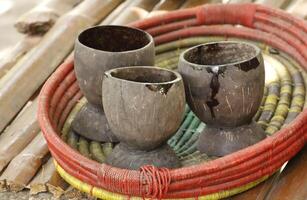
(144, 107)
(98, 49)
(224, 83)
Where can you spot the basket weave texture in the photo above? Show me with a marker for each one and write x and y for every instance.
(275, 28)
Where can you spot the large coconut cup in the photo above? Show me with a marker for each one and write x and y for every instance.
(98, 49)
(144, 107)
(224, 84)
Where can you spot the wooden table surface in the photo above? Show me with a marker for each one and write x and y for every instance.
(289, 184)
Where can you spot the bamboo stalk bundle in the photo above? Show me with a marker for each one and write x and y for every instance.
(42, 17)
(193, 3)
(239, 1)
(298, 8)
(73, 141)
(117, 11)
(23, 167)
(49, 53)
(19, 134)
(15, 53)
(165, 6)
(47, 180)
(138, 9)
(274, 3)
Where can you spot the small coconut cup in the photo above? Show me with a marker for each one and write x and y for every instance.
(97, 50)
(144, 107)
(224, 84)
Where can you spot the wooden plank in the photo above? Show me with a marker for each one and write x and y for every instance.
(17, 86)
(292, 183)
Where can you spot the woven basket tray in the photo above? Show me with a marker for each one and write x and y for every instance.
(283, 40)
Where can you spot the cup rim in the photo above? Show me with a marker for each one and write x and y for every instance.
(230, 64)
(178, 78)
(151, 41)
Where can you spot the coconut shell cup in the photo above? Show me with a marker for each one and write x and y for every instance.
(97, 50)
(144, 107)
(224, 83)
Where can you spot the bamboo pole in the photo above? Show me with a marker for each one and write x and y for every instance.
(41, 18)
(8, 60)
(274, 3)
(116, 12)
(239, 1)
(23, 167)
(39, 183)
(47, 180)
(18, 85)
(138, 9)
(165, 6)
(193, 3)
(17, 136)
(298, 8)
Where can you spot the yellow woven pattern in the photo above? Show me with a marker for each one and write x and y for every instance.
(104, 194)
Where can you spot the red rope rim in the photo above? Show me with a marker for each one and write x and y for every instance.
(228, 172)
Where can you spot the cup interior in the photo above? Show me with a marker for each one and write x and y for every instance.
(114, 38)
(221, 53)
(144, 74)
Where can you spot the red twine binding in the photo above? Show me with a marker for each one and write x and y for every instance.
(157, 179)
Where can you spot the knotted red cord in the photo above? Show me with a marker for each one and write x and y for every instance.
(157, 179)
